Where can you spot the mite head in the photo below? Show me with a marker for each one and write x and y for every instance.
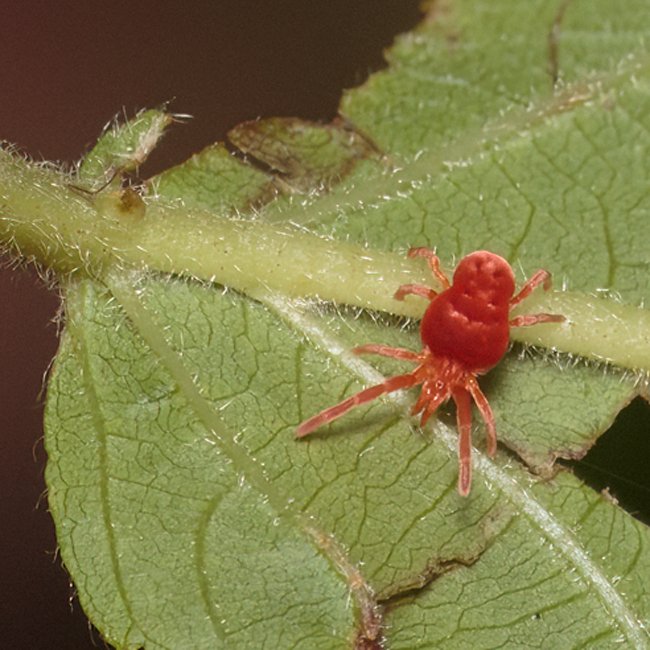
(485, 277)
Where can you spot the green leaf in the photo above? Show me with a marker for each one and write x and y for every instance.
(169, 509)
(525, 590)
(186, 512)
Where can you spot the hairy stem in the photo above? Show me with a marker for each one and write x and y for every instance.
(44, 219)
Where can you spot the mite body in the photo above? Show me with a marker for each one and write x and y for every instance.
(465, 332)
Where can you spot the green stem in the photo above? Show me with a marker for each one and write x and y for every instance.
(42, 218)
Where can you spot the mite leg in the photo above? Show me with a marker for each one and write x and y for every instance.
(426, 395)
(430, 405)
(464, 422)
(533, 319)
(414, 290)
(434, 264)
(541, 277)
(387, 351)
(366, 395)
(486, 413)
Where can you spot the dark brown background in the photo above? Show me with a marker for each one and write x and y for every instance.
(65, 70)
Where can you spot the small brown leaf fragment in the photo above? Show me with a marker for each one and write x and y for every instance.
(304, 156)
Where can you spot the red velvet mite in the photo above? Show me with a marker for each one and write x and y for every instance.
(465, 332)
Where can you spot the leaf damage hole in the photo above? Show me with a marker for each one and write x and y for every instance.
(407, 593)
(618, 462)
